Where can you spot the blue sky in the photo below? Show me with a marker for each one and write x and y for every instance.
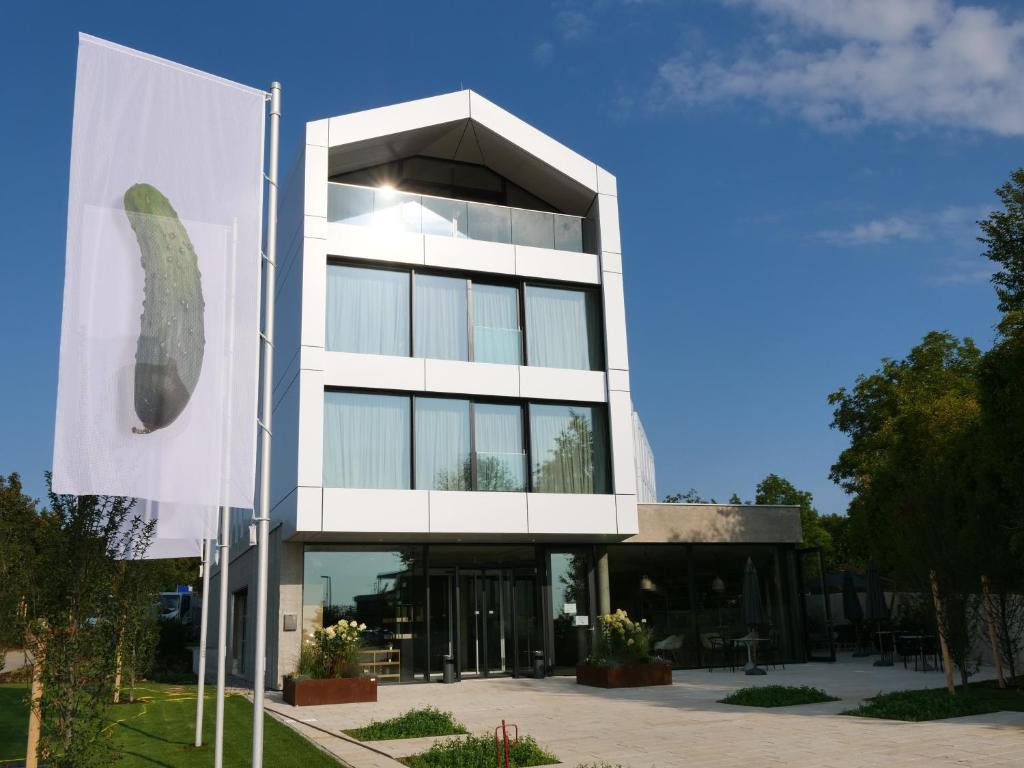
(798, 181)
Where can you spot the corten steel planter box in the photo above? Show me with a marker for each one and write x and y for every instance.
(341, 690)
(624, 676)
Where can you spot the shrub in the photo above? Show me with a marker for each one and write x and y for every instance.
(172, 658)
(332, 651)
(777, 696)
(415, 723)
(620, 640)
(915, 706)
(479, 752)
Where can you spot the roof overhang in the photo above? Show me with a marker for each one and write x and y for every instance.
(467, 127)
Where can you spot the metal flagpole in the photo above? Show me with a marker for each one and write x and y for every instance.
(223, 556)
(202, 642)
(266, 397)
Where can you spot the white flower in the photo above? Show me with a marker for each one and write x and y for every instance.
(362, 627)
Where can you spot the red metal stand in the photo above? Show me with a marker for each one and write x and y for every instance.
(503, 743)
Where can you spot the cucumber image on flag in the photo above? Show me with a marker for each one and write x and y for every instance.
(169, 355)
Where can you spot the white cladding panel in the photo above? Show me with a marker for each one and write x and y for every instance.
(472, 378)
(355, 242)
(369, 510)
(351, 369)
(549, 264)
(477, 512)
(626, 515)
(620, 422)
(571, 513)
(561, 384)
(469, 255)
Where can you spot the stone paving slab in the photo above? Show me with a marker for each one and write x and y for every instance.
(684, 725)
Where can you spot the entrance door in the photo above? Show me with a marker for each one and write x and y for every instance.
(814, 605)
(526, 609)
(484, 622)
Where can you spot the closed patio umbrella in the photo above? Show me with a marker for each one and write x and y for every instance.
(853, 612)
(753, 613)
(877, 611)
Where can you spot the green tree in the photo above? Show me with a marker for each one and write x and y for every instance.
(910, 466)
(19, 527)
(687, 497)
(778, 490)
(1003, 238)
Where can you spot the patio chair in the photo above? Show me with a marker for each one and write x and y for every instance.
(673, 647)
(713, 647)
(769, 650)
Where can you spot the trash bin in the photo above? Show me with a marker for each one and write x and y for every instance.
(539, 667)
(448, 668)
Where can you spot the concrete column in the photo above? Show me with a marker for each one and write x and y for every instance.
(604, 597)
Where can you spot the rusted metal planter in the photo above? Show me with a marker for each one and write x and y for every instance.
(624, 676)
(341, 690)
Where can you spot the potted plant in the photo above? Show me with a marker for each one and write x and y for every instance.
(622, 656)
(329, 668)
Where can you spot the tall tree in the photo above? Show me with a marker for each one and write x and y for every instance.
(19, 527)
(1003, 238)
(913, 429)
(778, 490)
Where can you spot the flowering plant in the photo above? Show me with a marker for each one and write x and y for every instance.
(620, 640)
(332, 651)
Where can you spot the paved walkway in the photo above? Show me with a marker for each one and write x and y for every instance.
(683, 725)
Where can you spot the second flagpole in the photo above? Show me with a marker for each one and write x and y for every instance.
(266, 408)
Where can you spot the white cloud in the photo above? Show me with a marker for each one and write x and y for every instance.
(543, 53)
(574, 23)
(843, 64)
(952, 224)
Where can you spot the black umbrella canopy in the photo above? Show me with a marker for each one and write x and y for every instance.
(851, 603)
(877, 610)
(753, 612)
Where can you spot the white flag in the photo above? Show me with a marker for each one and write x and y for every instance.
(159, 351)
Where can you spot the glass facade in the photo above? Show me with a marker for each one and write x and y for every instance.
(457, 318)
(393, 211)
(568, 323)
(367, 310)
(569, 449)
(491, 607)
(456, 444)
(366, 440)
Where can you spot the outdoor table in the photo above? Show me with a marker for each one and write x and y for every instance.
(925, 666)
(886, 647)
(750, 641)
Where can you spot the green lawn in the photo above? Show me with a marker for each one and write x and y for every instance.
(159, 731)
(936, 703)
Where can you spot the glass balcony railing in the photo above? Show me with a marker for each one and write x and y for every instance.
(497, 345)
(422, 214)
(500, 471)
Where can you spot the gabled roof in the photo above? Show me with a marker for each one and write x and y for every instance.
(465, 126)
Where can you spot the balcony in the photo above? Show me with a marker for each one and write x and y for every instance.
(391, 210)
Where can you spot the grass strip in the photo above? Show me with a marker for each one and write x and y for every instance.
(777, 696)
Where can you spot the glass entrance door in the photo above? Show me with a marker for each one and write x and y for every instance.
(814, 604)
(486, 618)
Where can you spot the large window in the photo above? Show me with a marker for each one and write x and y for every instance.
(442, 444)
(496, 334)
(367, 310)
(569, 449)
(374, 441)
(563, 328)
(439, 323)
(457, 318)
(366, 441)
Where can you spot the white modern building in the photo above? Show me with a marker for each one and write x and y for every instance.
(454, 442)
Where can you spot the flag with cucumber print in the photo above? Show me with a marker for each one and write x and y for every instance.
(159, 350)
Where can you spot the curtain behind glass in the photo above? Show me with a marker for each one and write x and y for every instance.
(441, 318)
(442, 444)
(563, 328)
(496, 336)
(568, 446)
(367, 310)
(500, 461)
(366, 441)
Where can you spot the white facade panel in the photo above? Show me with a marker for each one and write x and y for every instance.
(618, 380)
(422, 113)
(606, 183)
(369, 510)
(472, 378)
(315, 227)
(608, 222)
(611, 261)
(549, 264)
(616, 350)
(477, 512)
(354, 242)
(309, 508)
(469, 255)
(350, 369)
(316, 133)
(626, 515)
(571, 513)
(562, 384)
(316, 181)
(538, 144)
(620, 424)
(314, 292)
(311, 428)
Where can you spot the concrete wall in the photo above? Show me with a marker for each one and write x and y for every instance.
(717, 524)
